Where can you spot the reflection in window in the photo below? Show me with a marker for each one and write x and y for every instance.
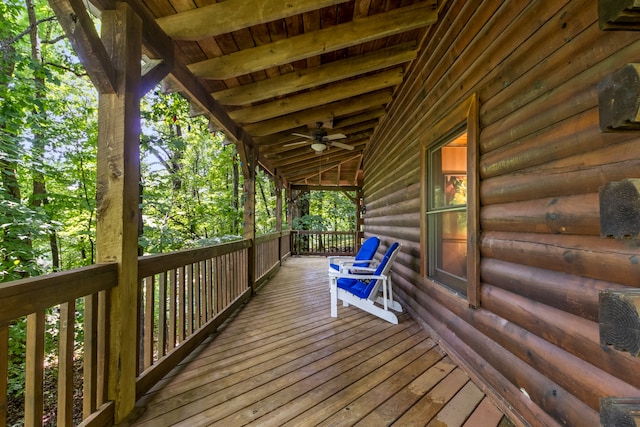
(447, 211)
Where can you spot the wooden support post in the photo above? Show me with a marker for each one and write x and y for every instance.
(619, 318)
(619, 99)
(359, 219)
(248, 158)
(619, 412)
(117, 199)
(620, 209)
(278, 184)
(277, 181)
(619, 14)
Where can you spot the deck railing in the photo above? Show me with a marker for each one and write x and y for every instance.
(270, 250)
(184, 296)
(307, 242)
(58, 294)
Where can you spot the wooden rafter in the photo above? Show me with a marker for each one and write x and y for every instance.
(316, 76)
(336, 92)
(233, 15)
(314, 43)
(326, 112)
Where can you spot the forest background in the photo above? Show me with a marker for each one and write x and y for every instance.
(190, 184)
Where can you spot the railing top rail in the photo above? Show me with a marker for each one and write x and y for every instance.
(338, 233)
(152, 264)
(268, 237)
(22, 297)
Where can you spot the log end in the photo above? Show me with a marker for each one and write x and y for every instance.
(618, 15)
(619, 99)
(620, 209)
(619, 319)
(619, 412)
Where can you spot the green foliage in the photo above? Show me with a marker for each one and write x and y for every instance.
(328, 211)
(187, 179)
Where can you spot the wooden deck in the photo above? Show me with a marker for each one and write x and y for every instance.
(282, 361)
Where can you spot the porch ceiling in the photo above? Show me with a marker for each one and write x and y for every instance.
(275, 68)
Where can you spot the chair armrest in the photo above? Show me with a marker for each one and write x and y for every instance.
(340, 259)
(341, 275)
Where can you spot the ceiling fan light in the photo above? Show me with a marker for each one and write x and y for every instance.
(318, 146)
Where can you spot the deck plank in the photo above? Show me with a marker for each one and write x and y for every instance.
(283, 361)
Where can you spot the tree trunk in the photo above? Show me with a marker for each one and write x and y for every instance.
(39, 195)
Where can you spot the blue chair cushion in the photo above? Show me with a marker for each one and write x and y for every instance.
(359, 288)
(362, 288)
(366, 252)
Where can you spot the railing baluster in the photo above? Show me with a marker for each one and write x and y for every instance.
(182, 305)
(65, 364)
(190, 303)
(90, 367)
(33, 396)
(172, 309)
(209, 263)
(102, 326)
(196, 291)
(149, 298)
(162, 314)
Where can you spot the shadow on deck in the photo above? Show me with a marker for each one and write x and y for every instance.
(282, 360)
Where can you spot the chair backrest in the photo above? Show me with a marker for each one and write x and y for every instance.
(383, 269)
(367, 251)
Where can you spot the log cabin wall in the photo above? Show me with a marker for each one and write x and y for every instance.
(534, 339)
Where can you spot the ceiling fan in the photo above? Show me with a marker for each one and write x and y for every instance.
(321, 140)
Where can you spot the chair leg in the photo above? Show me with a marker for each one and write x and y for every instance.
(334, 300)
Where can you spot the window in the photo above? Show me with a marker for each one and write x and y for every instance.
(449, 200)
(447, 211)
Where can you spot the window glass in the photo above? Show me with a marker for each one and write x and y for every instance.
(447, 211)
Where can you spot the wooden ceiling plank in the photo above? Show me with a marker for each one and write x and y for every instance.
(312, 77)
(340, 122)
(316, 43)
(322, 167)
(320, 114)
(332, 93)
(231, 15)
(83, 36)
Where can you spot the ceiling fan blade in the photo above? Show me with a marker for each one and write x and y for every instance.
(291, 144)
(341, 145)
(302, 135)
(335, 136)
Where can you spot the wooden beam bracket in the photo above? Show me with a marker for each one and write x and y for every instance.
(620, 209)
(619, 15)
(619, 412)
(619, 319)
(619, 99)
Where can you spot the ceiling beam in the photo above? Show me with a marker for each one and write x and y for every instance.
(320, 114)
(315, 43)
(232, 15)
(312, 77)
(336, 92)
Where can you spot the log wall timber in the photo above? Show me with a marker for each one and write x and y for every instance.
(534, 339)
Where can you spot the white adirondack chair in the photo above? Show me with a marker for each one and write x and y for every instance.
(372, 292)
